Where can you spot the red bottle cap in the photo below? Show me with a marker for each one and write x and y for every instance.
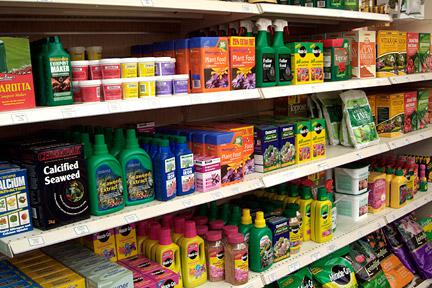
(236, 238)
(214, 235)
(201, 220)
(179, 225)
(143, 228)
(216, 224)
(154, 231)
(165, 236)
(190, 229)
(167, 220)
(202, 230)
(229, 229)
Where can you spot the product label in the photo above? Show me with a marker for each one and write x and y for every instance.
(146, 69)
(268, 68)
(60, 78)
(171, 183)
(266, 252)
(195, 267)
(285, 67)
(139, 181)
(241, 265)
(296, 237)
(326, 224)
(167, 258)
(217, 262)
(109, 188)
(377, 194)
(403, 194)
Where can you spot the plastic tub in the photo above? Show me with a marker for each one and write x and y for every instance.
(95, 70)
(76, 92)
(180, 84)
(147, 86)
(110, 68)
(354, 207)
(352, 179)
(165, 66)
(130, 88)
(164, 85)
(112, 89)
(94, 52)
(146, 66)
(77, 53)
(90, 90)
(129, 68)
(80, 70)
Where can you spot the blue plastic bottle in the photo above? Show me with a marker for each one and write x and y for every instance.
(184, 167)
(154, 148)
(146, 143)
(165, 172)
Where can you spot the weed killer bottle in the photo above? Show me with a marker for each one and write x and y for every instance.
(260, 245)
(105, 180)
(282, 54)
(184, 161)
(164, 171)
(265, 56)
(137, 170)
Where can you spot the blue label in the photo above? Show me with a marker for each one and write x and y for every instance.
(109, 188)
(139, 181)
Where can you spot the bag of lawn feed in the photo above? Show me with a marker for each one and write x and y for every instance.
(344, 137)
(300, 279)
(331, 106)
(358, 115)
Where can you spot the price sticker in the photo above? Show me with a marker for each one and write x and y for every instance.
(246, 8)
(147, 3)
(272, 277)
(359, 156)
(323, 166)
(217, 195)
(19, 118)
(36, 241)
(81, 230)
(131, 218)
(315, 256)
(235, 189)
(293, 267)
(114, 107)
(188, 203)
(68, 113)
(331, 248)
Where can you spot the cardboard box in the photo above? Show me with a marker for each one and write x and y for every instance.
(422, 108)
(303, 141)
(402, 53)
(410, 111)
(387, 53)
(300, 62)
(281, 242)
(207, 173)
(242, 62)
(318, 135)
(390, 114)
(424, 53)
(103, 244)
(412, 53)
(316, 62)
(266, 148)
(363, 53)
(126, 242)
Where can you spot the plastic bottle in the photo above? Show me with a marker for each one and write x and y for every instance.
(293, 195)
(322, 218)
(154, 148)
(213, 212)
(87, 145)
(193, 260)
(246, 224)
(260, 245)
(167, 254)
(38, 50)
(164, 171)
(153, 239)
(236, 260)
(282, 54)
(265, 56)
(108, 133)
(215, 256)
(389, 177)
(410, 182)
(217, 224)
(118, 142)
(292, 212)
(185, 172)
(423, 180)
(58, 74)
(146, 143)
(167, 221)
(235, 216)
(203, 210)
(305, 202)
(225, 213)
(398, 190)
(137, 170)
(178, 229)
(246, 27)
(201, 220)
(228, 230)
(142, 235)
(330, 196)
(104, 176)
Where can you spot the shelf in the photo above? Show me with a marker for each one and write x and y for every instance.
(425, 284)
(411, 78)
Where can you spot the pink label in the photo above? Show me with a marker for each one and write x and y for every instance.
(207, 168)
(79, 73)
(95, 72)
(168, 258)
(193, 251)
(90, 94)
(112, 92)
(111, 71)
(377, 194)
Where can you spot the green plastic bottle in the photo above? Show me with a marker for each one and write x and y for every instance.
(87, 145)
(118, 142)
(264, 55)
(235, 216)
(213, 213)
(58, 74)
(108, 133)
(104, 175)
(38, 50)
(282, 54)
(225, 213)
(246, 224)
(260, 245)
(137, 170)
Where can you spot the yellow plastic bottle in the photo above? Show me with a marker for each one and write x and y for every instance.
(292, 195)
(142, 236)
(167, 254)
(389, 177)
(178, 230)
(305, 202)
(153, 239)
(321, 219)
(192, 253)
(398, 190)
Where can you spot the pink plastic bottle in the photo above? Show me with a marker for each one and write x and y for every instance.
(167, 220)
(215, 256)
(202, 230)
(154, 239)
(217, 224)
(142, 235)
(228, 230)
(201, 220)
(179, 224)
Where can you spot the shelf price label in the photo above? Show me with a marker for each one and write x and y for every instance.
(331, 247)
(188, 203)
(81, 230)
(147, 3)
(217, 195)
(272, 277)
(315, 256)
(18, 118)
(36, 241)
(293, 267)
(131, 218)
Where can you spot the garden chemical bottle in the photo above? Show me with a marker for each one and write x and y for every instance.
(225, 213)
(104, 176)
(330, 196)
(137, 170)
(423, 180)
(293, 195)
(305, 202)
(260, 245)
(164, 172)
(246, 224)
(292, 212)
(145, 143)
(167, 254)
(154, 148)
(142, 235)
(184, 160)
(282, 54)
(58, 74)
(322, 230)
(213, 211)
(108, 136)
(265, 56)
(39, 49)
(398, 190)
(246, 27)
(179, 223)
(167, 221)
(153, 239)
(389, 177)
(202, 210)
(118, 142)
(87, 145)
(235, 216)
(193, 262)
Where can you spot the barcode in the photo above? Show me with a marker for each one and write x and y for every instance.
(327, 75)
(321, 4)
(196, 83)
(143, 88)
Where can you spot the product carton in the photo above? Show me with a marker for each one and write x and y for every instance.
(207, 173)
(126, 242)
(164, 49)
(292, 106)
(424, 52)
(410, 111)
(266, 145)
(286, 142)
(412, 53)
(242, 62)
(422, 108)
(182, 56)
(387, 53)
(402, 55)
(336, 60)
(316, 62)
(390, 114)
(209, 62)
(372, 104)
(363, 53)
(318, 135)
(14, 202)
(103, 244)
(71, 280)
(300, 62)
(281, 242)
(303, 140)
(16, 79)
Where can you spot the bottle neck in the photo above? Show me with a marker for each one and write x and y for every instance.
(278, 39)
(262, 39)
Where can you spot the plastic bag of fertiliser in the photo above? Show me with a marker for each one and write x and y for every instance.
(398, 248)
(396, 273)
(344, 137)
(359, 120)
(366, 266)
(331, 106)
(334, 271)
(417, 243)
(299, 279)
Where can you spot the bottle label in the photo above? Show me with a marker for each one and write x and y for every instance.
(60, 78)
(195, 267)
(139, 181)
(285, 67)
(241, 265)
(171, 183)
(217, 262)
(186, 161)
(167, 258)
(307, 220)
(188, 175)
(109, 188)
(266, 252)
(268, 68)
(326, 225)
(403, 194)
(296, 237)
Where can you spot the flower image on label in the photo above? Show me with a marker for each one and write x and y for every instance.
(109, 188)
(266, 251)
(217, 263)
(139, 181)
(241, 264)
(195, 267)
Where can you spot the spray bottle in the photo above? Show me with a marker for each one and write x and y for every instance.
(246, 27)
(233, 29)
(282, 54)
(265, 56)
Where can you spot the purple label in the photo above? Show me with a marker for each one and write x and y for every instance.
(164, 87)
(180, 86)
(165, 68)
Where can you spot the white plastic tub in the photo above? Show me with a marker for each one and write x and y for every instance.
(354, 207)
(352, 179)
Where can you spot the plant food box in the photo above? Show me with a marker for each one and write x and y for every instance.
(318, 135)
(266, 148)
(303, 140)
(103, 244)
(422, 108)
(300, 62)
(16, 78)
(390, 114)
(412, 50)
(424, 52)
(242, 62)
(410, 111)
(402, 53)
(126, 242)
(387, 53)
(363, 53)
(280, 231)
(316, 62)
